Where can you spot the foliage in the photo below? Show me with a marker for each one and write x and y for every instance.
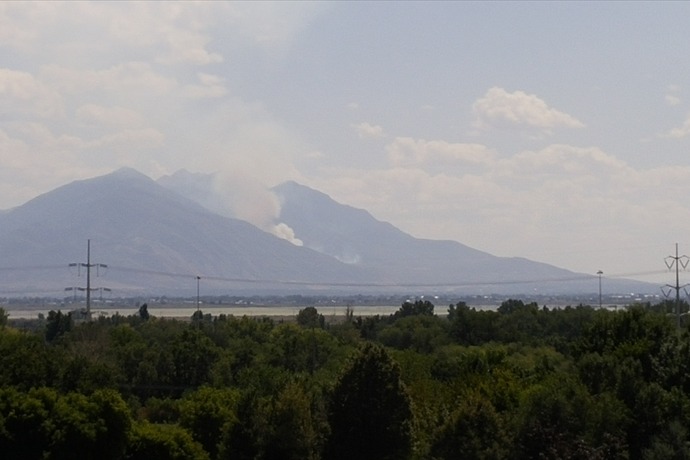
(151, 441)
(474, 430)
(4, 316)
(208, 413)
(370, 411)
(144, 312)
(310, 317)
(58, 324)
(517, 382)
(419, 307)
(45, 424)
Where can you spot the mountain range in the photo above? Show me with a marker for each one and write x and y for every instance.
(157, 237)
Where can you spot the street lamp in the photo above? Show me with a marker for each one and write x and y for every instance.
(600, 273)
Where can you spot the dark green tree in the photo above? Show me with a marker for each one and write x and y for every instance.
(193, 355)
(155, 441)
(310, 317)
(370, 412)
(58, 324)
(288, 426)
(208, 413)
(25, 360)
(419, 307)
(45, 424)
(144, 312)
(422, 333)
(473, 431)
(471, 327)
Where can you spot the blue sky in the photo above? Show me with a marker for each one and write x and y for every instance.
(556, 131)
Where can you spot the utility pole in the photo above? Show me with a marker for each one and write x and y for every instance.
(676, 262)
(600, 273)
(88, 265)
(198, 278)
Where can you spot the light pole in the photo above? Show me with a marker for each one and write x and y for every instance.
(198, 278)
(600, 273)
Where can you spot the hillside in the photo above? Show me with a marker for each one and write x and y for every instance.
(152, 239)
(157, 239)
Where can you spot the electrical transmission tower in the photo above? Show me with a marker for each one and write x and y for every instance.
(676, 262)
(88, 266)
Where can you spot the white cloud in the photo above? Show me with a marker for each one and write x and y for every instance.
(560, 162)
(680, 131)
(406, 152)
(127, 78)
(499, 108)
(672, 100)
(211, 86)
(366, 130)
(672, 97)
(139, 138)
(108, 116)
(21, 92)
(168, 33)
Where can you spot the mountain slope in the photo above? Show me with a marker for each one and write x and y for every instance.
(157, 240)
(354, 236)
(146, 234)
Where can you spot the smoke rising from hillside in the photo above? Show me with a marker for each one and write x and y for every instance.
(247, 199)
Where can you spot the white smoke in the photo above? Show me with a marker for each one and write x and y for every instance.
(245, 198)
(283, 230)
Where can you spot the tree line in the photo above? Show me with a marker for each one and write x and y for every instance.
(521, 382)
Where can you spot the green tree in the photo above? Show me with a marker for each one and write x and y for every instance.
(26, 362)
(144, 312)
(471, 327)
(419, 307)
(3, 317)
(208, 413)
(370, 412)
(310, 317)
(44, 424)
(288, 426)
(473, 431)
(95, 426)
(422, 333)
(58, 324)
(23, 422)
(193, 355)
(158, 441)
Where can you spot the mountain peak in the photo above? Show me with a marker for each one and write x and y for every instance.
(127, 171)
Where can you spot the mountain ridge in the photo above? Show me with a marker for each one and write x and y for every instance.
(158, 239)
(143, 226)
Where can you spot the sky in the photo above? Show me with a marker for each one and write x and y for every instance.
(554, 131)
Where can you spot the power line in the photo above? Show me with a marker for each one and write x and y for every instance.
(458, 284)
(574, 277)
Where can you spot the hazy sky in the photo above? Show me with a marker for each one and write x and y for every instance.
(554, 131)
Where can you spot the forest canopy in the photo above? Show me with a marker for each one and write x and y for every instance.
(520, 382)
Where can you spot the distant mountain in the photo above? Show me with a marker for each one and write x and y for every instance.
(157, 237)
(153, 240)
(354, 236)
(394, 258)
